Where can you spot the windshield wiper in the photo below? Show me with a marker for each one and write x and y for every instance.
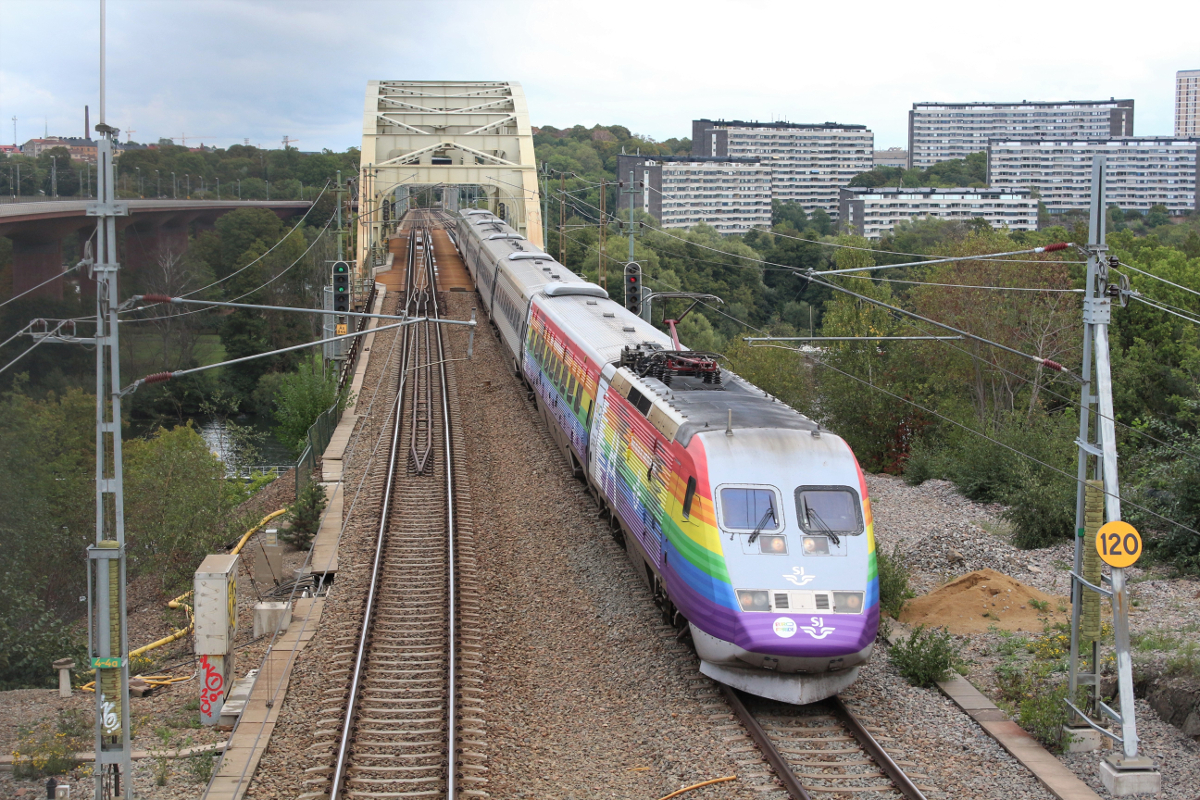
(833, 537)
(762, 523)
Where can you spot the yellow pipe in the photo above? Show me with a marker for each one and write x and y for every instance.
(178, 603)
(250, 532)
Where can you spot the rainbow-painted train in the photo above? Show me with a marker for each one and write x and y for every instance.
(749, 522)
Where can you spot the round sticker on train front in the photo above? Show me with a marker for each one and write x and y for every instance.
(785, 627)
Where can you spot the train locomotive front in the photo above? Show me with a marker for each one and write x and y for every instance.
(755, 522)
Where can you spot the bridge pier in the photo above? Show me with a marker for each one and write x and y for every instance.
(153, 227)
(36, 260)
(146, 242)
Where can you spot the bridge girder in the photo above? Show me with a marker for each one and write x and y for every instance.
(422, 134)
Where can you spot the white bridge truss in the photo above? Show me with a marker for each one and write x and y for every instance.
(441, 136)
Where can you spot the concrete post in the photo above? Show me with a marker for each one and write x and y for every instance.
(64, 667)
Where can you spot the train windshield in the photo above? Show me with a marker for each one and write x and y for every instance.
(829, 510)
(749, 509)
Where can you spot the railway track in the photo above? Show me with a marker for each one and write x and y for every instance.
(822, 750)
(412, 719)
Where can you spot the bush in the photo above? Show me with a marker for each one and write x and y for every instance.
(305, 516)
(176, 503)
(1041, 507)
(1041, 501)
(50, 747)
(927, 656)
(894, 591)
(1036, 698)
(200, 766)
(31, 638)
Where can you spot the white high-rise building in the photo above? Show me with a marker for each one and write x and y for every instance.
(942, 131)
(732, 195)
(1187, 102)
(875, 212)
(809, 162)
(1143, 171)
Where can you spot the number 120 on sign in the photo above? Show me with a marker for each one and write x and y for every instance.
(1118, 544)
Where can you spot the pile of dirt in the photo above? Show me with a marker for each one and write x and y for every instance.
(980, 599)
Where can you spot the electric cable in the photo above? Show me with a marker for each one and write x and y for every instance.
(1157, 278)
(66, 271)
(1145, 301)
(269, 250)
(975, 356)
(22, 355)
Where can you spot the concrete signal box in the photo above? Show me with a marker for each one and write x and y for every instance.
(216, 627)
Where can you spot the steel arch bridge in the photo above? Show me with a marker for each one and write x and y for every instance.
(450, 137)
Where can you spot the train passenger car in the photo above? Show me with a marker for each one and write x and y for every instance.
(749, 522)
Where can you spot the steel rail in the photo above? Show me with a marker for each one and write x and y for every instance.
(783, 770)
(411, 339)
(452, 688)
(875, 750)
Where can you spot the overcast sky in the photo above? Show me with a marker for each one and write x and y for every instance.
(228, 70)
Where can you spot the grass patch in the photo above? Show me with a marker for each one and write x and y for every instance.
(1035, 698)
(1153, 640)
(1185, 661)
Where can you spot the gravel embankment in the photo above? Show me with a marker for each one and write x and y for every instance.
(933, 526)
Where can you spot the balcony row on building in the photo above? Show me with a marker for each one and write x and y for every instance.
(1142, 171)
(875, 212)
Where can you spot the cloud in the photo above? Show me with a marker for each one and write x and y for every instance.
(262, 69)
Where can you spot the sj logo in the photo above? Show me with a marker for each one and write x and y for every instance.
(817, 630)
(798, 577)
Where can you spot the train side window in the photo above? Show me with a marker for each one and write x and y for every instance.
(570, 388)
(688, 497)
(578, 396)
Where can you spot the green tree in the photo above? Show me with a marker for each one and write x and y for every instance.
(177, 505)
(299, 399)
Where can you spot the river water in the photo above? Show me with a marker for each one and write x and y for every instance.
(272, 452)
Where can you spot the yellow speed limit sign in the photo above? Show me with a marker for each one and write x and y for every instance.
(1118, 544)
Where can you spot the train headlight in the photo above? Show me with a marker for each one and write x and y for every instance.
(816, 546)
(847, 602)
(753, 600)
(773, 545)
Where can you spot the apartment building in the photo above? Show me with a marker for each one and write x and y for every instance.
(809, 162)
(1143, 171)
(732, 195)
(875, 212)
(1187, 103)
(942, 131)
(892, 157)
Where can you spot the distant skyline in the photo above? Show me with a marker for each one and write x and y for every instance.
(221, 71)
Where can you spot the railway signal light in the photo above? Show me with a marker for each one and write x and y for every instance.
(633, 287)
(341, 286)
